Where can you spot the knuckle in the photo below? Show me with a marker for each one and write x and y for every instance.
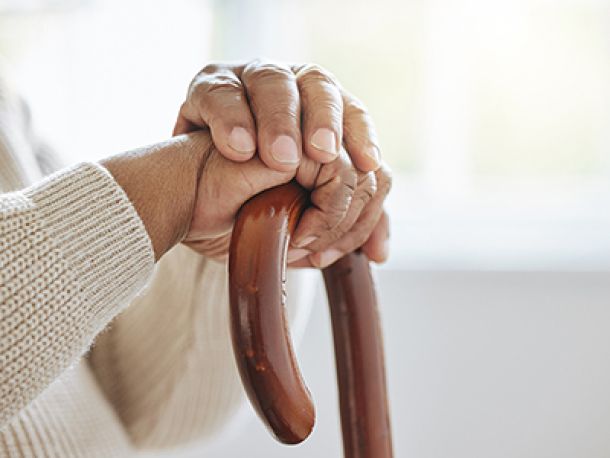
(367, 186)
(349, 178)
(355, 107)
(341, 173)
(332, 212)
(266, 72)
(313, 73)
(208, 87)
(221, 83)
(211, 67)
(253, 63)
(320, 94)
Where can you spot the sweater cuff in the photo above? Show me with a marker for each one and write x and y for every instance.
(98, 232)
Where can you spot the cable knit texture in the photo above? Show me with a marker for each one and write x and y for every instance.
(76, 269)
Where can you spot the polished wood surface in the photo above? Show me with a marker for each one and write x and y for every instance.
(261, 340)
(359, 358)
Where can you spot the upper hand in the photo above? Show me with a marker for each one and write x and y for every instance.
(346, 211)
(280, 110)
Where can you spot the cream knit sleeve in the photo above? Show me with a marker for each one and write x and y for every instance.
(73, 253)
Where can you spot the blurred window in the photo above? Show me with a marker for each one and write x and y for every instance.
(494, 115)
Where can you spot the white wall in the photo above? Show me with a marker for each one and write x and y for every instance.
(480, 364)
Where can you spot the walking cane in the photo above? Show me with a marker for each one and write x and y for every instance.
(261, 340)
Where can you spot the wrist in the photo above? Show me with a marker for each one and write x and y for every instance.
(161, 182)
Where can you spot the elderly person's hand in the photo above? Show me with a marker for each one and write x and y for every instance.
(280, 111)
(347, 204)
(185, 191)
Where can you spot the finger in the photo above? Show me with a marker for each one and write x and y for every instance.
(361, 230)
(359, 135)
(298, 257)
(376, 248)
(217, 99)
(301, 263)
(331, 197)
(274, 101)
(365, 189)
(351, 241)
(322, 113)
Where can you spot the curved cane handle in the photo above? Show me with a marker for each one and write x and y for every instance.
(261, 342)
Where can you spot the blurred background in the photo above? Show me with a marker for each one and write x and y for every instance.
(495, 117)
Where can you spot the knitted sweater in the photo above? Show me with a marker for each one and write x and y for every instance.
(74, 255)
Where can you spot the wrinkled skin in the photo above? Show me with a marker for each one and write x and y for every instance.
(270, 123)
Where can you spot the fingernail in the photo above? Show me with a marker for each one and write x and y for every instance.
(373, 152)
(294, 254)
(284, 150)
(324, 140)
(241, 140)
(306, 241)
(329, 256)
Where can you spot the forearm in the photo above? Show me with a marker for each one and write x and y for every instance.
(161, 183)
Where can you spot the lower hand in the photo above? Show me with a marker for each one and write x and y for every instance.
(346, 212)
(185, 190)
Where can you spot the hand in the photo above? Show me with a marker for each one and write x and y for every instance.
(347, 205)
(280, 110)
(232, 99)
(184, 190)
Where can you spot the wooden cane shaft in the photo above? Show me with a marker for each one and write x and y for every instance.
(359, 358)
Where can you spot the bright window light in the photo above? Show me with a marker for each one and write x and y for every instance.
(493, 115)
